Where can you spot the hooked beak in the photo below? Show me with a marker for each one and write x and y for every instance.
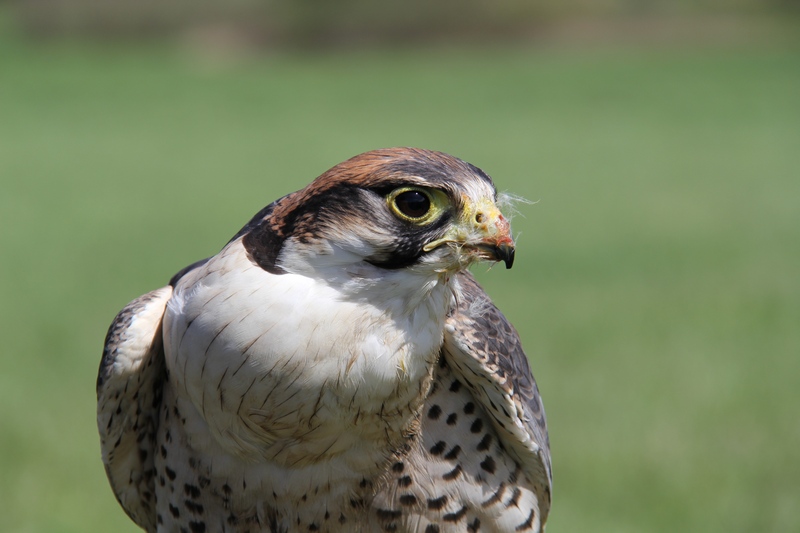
(482, 233)
(500, 252)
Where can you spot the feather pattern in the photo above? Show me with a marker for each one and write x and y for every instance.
(129, 388)
(485, 352)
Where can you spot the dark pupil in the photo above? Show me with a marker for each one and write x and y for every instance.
(413, 204)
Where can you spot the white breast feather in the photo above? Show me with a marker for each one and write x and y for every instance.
(292, 354)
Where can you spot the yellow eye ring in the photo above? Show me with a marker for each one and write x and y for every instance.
(416, 204)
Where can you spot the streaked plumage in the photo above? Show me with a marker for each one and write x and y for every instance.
(333, 368)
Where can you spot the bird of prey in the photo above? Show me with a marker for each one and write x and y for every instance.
(334, 367)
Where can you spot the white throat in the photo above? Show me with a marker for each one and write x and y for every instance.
(401, 292)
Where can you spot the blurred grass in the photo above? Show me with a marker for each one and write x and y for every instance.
(657, 283)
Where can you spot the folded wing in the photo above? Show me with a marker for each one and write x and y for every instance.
(485, 352)
(129, 388)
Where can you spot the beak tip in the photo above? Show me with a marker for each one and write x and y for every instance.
(505, 253)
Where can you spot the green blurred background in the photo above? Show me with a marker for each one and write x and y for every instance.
(657, 282)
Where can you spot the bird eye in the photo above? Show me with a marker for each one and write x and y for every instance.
(417, 205)
(413, 204)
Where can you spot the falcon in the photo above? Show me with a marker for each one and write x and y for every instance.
(334, 368)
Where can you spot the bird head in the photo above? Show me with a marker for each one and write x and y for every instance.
(399, 208)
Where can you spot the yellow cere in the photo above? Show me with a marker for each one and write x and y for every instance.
(481, 216)
(477, 221)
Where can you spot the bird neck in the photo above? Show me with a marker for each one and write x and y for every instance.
(402, 292)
